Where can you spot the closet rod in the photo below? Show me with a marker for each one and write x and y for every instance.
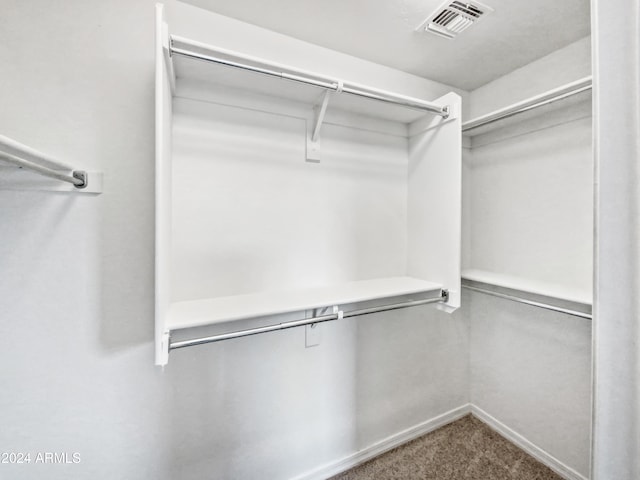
(307, 321)
(300, 76)
(77, 177)
(546, 306)
(14, 152)
(522, 107)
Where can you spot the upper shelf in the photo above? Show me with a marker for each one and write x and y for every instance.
(206, 63)
(194, 313)
(559, 98)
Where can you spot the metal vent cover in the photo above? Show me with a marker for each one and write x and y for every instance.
(453, 17)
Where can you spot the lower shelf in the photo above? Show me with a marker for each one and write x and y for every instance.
(537, 294)
(527, 285)
(197, 313)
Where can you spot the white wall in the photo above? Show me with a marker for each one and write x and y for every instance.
(76, 290)
(261, 218)
(529, 214)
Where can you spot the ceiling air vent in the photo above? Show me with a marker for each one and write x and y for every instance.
(451, 18)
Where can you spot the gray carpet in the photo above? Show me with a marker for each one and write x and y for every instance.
(463, 450)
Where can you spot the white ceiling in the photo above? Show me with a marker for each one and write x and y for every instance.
(383, 31)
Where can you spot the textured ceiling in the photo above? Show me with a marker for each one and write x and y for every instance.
(383, 31)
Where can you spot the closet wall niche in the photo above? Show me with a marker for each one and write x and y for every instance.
(275, 197)
(529, 197)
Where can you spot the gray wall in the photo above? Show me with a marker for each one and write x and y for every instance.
(531, 371)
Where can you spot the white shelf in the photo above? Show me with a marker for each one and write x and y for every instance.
(210, 311)
(255, 84)
(554, 100)
(534, 287)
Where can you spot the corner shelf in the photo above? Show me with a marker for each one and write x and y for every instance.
(554, 100)
(555, 107)
(537, 293)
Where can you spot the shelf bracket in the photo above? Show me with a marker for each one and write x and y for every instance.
(313, 136)
(165, 343)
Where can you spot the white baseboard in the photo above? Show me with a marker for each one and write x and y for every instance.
(378, 448)
(384, 445)
(536, 452)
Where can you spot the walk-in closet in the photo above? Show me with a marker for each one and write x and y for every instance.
(344, 240)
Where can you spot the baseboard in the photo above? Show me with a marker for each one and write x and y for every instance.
(385, 445)
(536, 452)
(378, 448)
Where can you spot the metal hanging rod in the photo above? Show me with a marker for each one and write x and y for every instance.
(77, 178)
(26, 157)
(245, 62)
(533, 303)
(546, 99)
(307, 321)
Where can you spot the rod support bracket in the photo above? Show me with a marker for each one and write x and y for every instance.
(313, 135)
(445, 295)
(163, 347)
(313, 154)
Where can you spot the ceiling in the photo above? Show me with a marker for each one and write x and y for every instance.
(383, 31)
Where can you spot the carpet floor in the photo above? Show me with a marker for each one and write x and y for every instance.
(466, 449)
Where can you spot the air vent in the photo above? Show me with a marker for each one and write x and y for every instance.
(452, 18)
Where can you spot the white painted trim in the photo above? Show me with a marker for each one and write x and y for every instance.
(536, 452)
(385, 445)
